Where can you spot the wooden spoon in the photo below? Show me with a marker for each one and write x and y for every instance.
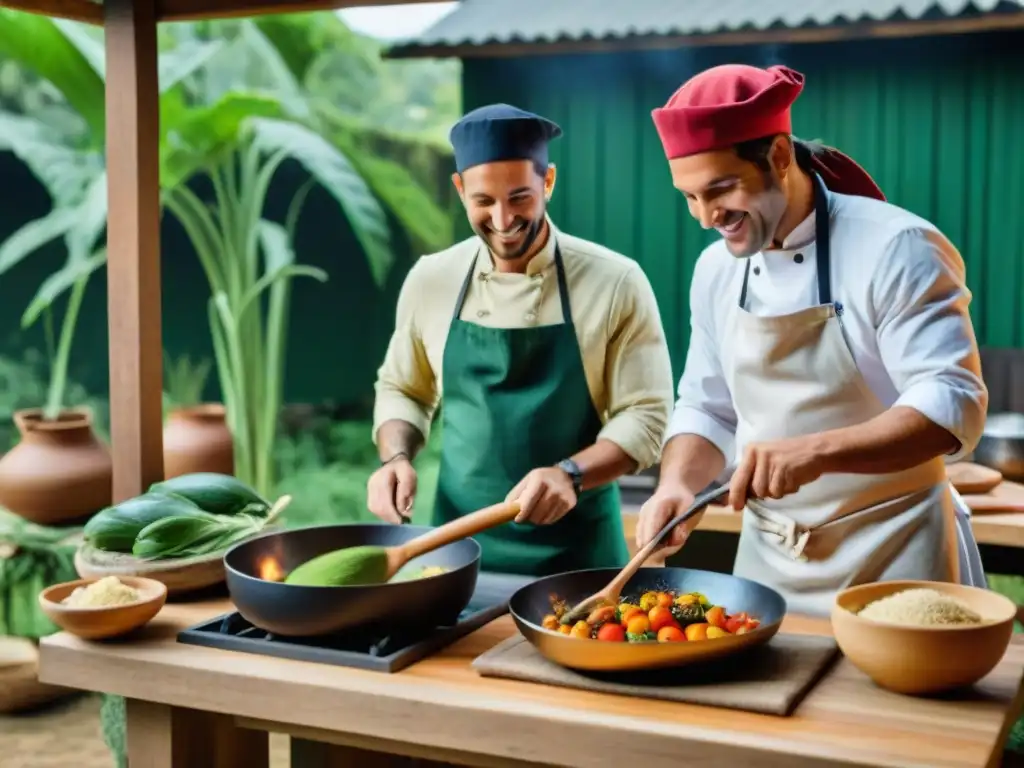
(377, 565)
(610, 594)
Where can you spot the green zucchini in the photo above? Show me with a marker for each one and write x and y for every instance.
(215, 493)
(116, 528)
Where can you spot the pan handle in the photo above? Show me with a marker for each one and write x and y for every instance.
(461, 528)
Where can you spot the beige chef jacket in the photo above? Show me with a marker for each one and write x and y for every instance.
(618, 325)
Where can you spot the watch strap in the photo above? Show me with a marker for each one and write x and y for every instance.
(572, 469)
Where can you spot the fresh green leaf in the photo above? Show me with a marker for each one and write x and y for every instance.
(192, 536)
(334, 171)
(196, 138)
(184, 60)
(90, 220)
(60, 281)
(34, 235)
(43, 45)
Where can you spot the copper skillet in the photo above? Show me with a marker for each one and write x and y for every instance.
(531, 603)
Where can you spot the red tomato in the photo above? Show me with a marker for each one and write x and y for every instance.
(611, 632)
(660, 616)
(734, 622)
(671, 634)
(665, 599)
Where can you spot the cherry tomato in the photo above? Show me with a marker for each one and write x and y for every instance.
(665, 599)
(671, 634)
(580, 629)
(630, 612)
(612, 633)
(714, 632)
(565, 629)
(697, 632)
(660, 616)
(550, 622)
(648, 600)
(638, 624)
(716, 617)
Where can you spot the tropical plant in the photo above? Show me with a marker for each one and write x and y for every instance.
(237, 139)
(184, 380)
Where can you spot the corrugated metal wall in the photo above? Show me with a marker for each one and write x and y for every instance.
(938, 122)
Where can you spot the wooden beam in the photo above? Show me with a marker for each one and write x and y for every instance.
(861, 31)
(133, 246)
(189, 10)
(75, 10)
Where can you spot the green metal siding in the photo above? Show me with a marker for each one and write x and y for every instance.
(938, 122)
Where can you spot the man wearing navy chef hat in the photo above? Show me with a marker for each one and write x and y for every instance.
(546, 353)
(832, 358)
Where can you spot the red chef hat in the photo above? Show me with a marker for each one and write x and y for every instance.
(733, 103)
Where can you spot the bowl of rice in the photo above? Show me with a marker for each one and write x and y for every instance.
(99, 608)
(922, 637)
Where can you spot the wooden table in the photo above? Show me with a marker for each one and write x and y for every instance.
(440, 710)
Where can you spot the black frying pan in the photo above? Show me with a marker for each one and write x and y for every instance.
(532, 602)
(299, 611)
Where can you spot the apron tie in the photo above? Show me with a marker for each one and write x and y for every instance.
(792, 537)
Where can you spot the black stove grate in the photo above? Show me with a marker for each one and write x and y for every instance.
(375, 652)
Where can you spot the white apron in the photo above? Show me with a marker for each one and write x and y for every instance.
(793, 375)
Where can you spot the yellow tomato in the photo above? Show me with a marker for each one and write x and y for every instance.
(648, 601)
(713, 632)
(550, 622)
(686, 599)
(696, 632)
(580, 629)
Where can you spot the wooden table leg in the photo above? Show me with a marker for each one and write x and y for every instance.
(160, 736)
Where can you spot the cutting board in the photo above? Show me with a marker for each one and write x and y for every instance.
(1005, 498)
(970, 478)
(770, 679)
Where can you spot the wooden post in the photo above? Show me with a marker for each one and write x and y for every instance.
(133, 245)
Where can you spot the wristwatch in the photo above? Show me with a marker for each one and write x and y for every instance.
(572, 469)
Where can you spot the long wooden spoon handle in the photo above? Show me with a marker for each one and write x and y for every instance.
(461, 528)
(640, 557)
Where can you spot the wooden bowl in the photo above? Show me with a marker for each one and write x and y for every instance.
(108, 621)
(923, 660)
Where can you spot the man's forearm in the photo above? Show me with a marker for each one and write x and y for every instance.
(602, 463)
(899, 439)
(691, 461)
(396, 436)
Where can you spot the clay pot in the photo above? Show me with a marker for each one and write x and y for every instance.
(59, 472)
(197, 439)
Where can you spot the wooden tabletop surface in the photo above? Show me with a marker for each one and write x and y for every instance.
(442, 703)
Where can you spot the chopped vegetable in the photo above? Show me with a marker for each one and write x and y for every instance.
(656, 616)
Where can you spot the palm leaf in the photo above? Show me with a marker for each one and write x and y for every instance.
(43, 45)
(335, 172)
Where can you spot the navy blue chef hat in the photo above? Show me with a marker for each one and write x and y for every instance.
(501, 132)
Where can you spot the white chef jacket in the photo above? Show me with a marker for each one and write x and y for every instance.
(905, 302)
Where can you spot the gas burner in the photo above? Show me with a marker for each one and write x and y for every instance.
(373, 651)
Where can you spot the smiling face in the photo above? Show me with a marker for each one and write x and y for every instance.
(505, 203)
(743, 199)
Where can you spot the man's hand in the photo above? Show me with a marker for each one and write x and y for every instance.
(669, 501)
(774, 469)
(545, 496)
(391, 490)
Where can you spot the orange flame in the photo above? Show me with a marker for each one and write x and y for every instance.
(270, 570)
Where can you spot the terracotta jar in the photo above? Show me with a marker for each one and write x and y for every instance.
(59, 473)
(197, 439)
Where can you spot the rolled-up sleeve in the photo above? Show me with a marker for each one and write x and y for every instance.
(406, 387)
(638, 371)
(704, 403)
(925, 335)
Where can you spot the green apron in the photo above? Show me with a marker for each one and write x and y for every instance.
(513, 400)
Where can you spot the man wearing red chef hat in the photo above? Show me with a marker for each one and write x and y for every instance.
(832, 359)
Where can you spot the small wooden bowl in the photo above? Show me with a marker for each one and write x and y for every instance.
(923, 660)
(106, 621)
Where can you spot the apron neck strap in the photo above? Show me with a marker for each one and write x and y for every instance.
(563, 285)
(822, 243)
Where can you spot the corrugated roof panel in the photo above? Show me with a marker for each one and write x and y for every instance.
(488, 22)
